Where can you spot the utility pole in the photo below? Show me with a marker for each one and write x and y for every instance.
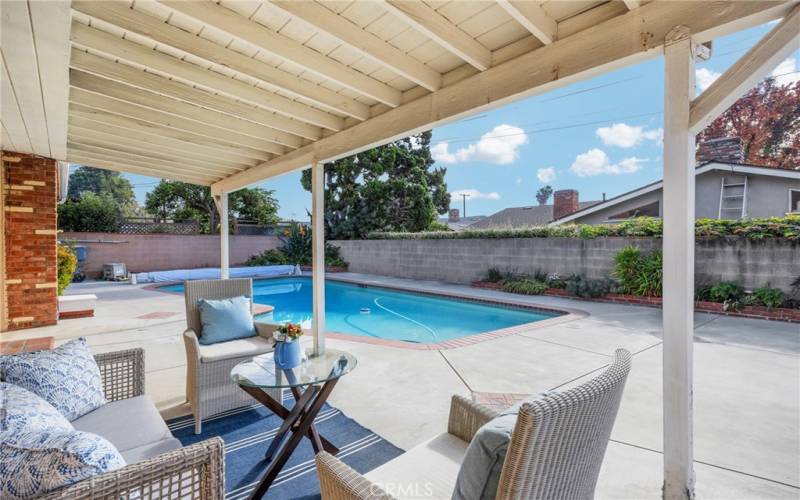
(464, 197)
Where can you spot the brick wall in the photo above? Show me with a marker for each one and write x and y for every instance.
(29, 186)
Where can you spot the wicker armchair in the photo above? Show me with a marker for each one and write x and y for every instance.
(556, 448)
(192, 472)
(209, 389)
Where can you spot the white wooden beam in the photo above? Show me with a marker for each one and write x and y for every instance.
(533, 17)
(321, 18)
(678, 243)
(148, 131)
(318, 255)
(304, 116)
(224, 237)
(130, 101)
(121, 166)
(632, 4)
(745, 73)
(124, 17)
(11, 114)
(50, 21)
(219, 110)
(567, 60)
(281, 46)
(439, 29)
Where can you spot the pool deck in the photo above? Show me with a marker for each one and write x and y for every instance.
(746, 393)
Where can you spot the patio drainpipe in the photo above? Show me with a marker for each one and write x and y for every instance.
(318, 255)
(224, 237)
(678, 247)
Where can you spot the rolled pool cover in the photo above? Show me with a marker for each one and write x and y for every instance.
(210, 273)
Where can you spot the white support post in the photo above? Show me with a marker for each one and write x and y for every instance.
(224, 237)
(678, 245)
(318, 254)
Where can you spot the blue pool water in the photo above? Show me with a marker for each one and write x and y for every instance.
(383, 313)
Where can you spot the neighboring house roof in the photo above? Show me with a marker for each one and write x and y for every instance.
(736, 168)
(517, 217)
(462, 222)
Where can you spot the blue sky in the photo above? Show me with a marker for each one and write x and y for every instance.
(598, 136)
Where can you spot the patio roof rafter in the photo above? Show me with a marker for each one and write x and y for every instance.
(533, 17)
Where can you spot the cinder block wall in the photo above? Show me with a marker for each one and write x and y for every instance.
(29, 186)
(161, 252)
(462, 261)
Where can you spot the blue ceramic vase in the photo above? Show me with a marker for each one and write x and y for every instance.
(288, 354)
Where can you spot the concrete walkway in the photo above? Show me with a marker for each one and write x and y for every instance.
(747, 382)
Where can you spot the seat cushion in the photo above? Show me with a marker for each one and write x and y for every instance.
(151, 450)
(34, 463)
(23, 411)
(127, 424)
(252, 346)
(428, 470)
(67, 377)
(224, 320)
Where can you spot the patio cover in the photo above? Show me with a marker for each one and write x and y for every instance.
(229, 94)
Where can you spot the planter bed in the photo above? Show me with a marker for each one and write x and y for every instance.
(328, 269)
(758, 312)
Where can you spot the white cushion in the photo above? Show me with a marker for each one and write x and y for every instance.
(428, 470)
(252, 346)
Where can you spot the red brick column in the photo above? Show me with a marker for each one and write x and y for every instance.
(30, 190)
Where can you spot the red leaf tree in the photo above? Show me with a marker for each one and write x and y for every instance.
(767, 119)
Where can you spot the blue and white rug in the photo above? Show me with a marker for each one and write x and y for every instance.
(247, 433)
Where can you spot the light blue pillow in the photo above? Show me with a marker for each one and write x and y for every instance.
(67, 377)
(34, 463)
(226, 319)
(23, 411)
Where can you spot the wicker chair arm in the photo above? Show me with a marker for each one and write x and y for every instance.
(265, 329)
(194, 471)
(338, 481)
(467, 417)
(122, 373)
(190, 340)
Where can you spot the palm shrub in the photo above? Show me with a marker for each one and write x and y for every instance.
(651, 275)
(637, 274)
(626, 268)
(67, 263)
(297, 244)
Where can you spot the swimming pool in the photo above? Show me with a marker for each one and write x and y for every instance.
(384, 313)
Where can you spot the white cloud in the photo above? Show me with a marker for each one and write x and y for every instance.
(626, 136)
(474, 194)
(596, 162)
(546, 175)
(705, 77)
(519, 181)
(786, 72)
(499, 146)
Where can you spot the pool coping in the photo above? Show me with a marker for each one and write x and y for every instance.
(565, 315)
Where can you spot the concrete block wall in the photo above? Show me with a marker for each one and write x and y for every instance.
(462, 261)
(161, 252)
(29, 185)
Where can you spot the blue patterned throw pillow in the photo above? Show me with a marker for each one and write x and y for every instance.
(67, 377)
(23, 411)
(33, 463)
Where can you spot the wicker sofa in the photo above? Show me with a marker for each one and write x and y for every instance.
(556, 448)
(191, 472)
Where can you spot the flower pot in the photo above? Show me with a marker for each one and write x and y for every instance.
(288, 355)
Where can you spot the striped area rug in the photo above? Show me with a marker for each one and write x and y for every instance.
(247, 433)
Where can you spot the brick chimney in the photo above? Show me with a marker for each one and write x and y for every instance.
(453, 215)
(565, 202)
(723, 149)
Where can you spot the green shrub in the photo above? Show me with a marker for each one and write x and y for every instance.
(556, 281)
(588, 287)
(67, 263)
(91, 213)
(637, 274)
(268, 257)
(626, 268)
(495, 275)
(725, 291)
(297, 244)
(526, 286)
(333, 256)
(754, 229)
(768, 297)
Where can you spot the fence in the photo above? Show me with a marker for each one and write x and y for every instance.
(160, 252)
(146, 225)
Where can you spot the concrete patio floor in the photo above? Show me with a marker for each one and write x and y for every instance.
(746, 392)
